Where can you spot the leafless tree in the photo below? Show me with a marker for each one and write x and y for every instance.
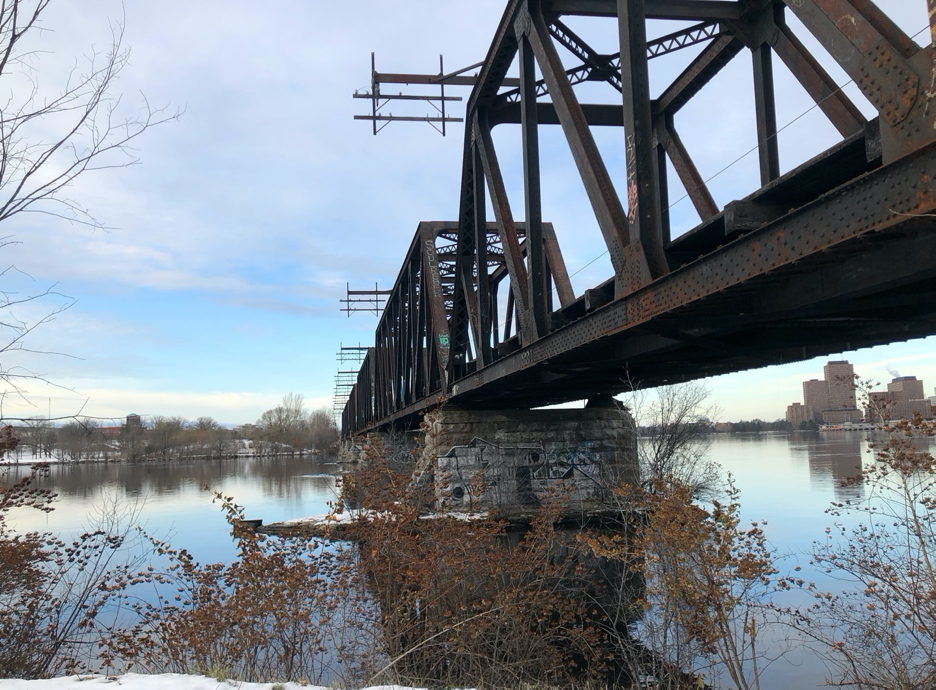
(205, 424)
(165, 435)
(286, 423)
(210, 438)
(674, 422)
(52, 132)
(323, 432)
(94, 131)
(81, 439)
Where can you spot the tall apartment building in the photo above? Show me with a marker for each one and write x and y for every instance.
(798, 413)
(830, 400)
(906, 388)
(840, 375)
(816, 397)
(903, 399)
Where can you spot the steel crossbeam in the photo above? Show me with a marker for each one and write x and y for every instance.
(835, 254)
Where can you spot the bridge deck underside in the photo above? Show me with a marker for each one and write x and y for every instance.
(818, 306)
(855, 268)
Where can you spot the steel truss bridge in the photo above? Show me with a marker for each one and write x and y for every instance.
(838, 253)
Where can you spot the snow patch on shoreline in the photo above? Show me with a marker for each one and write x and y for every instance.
(164, 681)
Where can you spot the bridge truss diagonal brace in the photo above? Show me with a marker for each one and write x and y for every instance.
(506, 229)
(688, 174)
(700, 72)
(599, 187)
(831, 100)
(874, 53)
(557, 267)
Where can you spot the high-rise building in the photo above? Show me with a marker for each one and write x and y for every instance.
(902, 400)
(829, 400)
(816, 397)
(906, 388)
(840, 375)
(797, 413)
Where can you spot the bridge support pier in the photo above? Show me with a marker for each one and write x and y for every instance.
(514, 460)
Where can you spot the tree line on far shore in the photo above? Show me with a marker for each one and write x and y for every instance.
(705, 426)
(287, 429)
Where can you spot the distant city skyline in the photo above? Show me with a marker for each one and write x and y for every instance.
(834, 398)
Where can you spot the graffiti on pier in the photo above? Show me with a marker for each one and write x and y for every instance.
(481, 475)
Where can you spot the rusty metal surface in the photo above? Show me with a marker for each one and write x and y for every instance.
(835, 254)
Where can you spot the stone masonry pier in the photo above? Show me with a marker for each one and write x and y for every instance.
(511, 460)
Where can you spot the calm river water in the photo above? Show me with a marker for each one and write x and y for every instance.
(786, 479)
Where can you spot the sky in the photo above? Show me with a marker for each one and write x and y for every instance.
(214, 286)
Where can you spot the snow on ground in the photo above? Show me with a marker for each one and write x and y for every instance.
(165, 681)
(352, 515)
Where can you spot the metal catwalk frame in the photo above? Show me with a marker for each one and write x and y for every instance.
(834, 254)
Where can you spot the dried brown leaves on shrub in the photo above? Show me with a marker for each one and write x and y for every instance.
(52, 592)
(463, 600)
(284, 609)
(880, 632)
(706, 580)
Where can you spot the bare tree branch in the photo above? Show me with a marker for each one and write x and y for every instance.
(34, 171)
(50, 135)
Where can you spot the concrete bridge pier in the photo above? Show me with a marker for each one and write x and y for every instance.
(511, 461)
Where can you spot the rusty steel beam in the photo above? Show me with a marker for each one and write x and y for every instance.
(931, 9)
(519, 285)
(842, 113)
(700, 72)
(432, 287)
(645, 257)
(537, 289)
(686, 170)
(868, 57)
(886, 27)
(768, 149)
(656, 9)
(877, 67)
(483, 347)
(596, 114)
(557, 266)
(598, 185)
